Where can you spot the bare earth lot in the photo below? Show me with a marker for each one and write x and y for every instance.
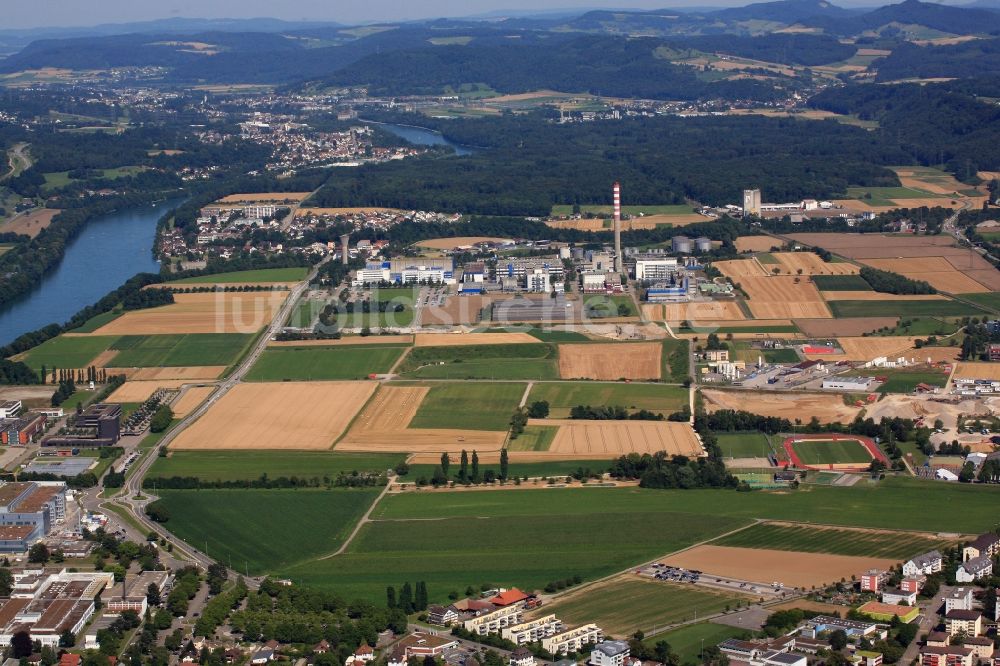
(287, 415)
(31, 224)
(221, 312)
(827, 408)
(639, 360)
(792, 569)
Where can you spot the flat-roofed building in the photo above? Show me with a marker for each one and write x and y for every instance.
(131, 593)
(949, 655)
(572, 640)
(36, 505)
(59, 603)
(609, 653)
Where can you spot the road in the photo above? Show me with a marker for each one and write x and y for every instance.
(18, 159)
(133, 498)
(928, 619)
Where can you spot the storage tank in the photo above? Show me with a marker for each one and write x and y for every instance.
(702, 244)
(681, 244)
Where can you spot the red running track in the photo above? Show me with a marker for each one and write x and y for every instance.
(873, 450)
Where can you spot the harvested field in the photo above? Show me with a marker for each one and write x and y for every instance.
(188, 374)
(876, 296)
(259, 197)
(810, 264)
(462, 340)
(937, 271)
(737, 269)
(856, 246)
(937, 354)
(610, 439)
(791, 568)
(132, 391)
(757, 243)
(781, 297)
(286, 415)
(221, 312)
(697, 311)
(640, 360)
(104, 359)
(190, 400)
(392, 408)
(458, 241)
(970, 370)
(351, 340)
(427, 445)
(783, 405)
(30, 224)
(866, 349)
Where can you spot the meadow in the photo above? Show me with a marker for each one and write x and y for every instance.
(897, 308)
(250, 465)
(469, 406)
(67, 352)
(294, 274)
(323, 363)
(97, 321)
(841, 283)
(906, 380)
(509, 361)
(989, 299)
(628, 603)
(886, 196)
(601, 306)
(687, 641)
(534, 438)
(676, 367)
(744, 445)
(178, 350)
(808, 539)
(251, 529)
(824, 451)
(562, 396)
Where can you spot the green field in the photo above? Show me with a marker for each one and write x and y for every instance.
(884, 196)
(827, 451)
(295, 274)
(249, 465)
(743, 351)
(896, 308)
(629, 603)
(924, 326)
(841, 283)
(906, 380)
(67, 352)
(601, 306)
(766, 258)
(678, 209)
(808, 539)
(552, 540)
(511, 361)
(687, 641)
(97, 321)
(562, 396)
(676, 364)
(989, 300)
(549, 335)
(148, 351)
(304, 312)
(323, 363)
(534, 438)
(264, 530)
(744, 445)
(469, 406)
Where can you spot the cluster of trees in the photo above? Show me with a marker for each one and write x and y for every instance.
(660, 471)
(977, 337)
(16, 372)
(219, 607)
(147, 298)
(353, 479)
(67, 387)
(612, 413)
(466, 474)
(563, 583)
(162, 418)
(366, 306)
(887, 282)
(409, 599)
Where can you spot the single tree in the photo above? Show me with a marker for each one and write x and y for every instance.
(445, 463)
(503, 464)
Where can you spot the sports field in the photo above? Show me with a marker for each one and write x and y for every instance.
(830, 451)
(469, 406)
(323, 363)
(251, 528)
(744, 445)
(261, 276)
(250, 465)
(285, 415)
(67, 352)
(506, 361)
(194, 349)
(639, 360)
(836, 541)
(563, 396)
(627, 603)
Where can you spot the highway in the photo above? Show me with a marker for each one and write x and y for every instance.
(132, 497)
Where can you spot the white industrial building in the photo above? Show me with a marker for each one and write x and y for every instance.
(655, 269)
(848, 383)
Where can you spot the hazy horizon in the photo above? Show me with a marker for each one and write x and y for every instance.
(72, 14)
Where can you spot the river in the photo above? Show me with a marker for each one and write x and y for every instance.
(421, 136)
(107, 252)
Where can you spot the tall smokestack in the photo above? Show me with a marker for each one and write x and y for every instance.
(344, 254)
(617, 193)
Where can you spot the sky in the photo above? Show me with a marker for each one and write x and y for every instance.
(60, 13)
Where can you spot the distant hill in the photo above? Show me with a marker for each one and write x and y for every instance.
(975, 58)
(944, 18)
(784, 11)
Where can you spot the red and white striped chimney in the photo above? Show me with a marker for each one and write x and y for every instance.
(617, 191)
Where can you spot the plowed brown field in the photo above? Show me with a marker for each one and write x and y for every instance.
(191, 373)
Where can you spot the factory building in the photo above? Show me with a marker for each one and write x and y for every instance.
(655, 269)
(28, 511)
(751, 202)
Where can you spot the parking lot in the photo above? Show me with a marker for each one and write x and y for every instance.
(667, 573)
